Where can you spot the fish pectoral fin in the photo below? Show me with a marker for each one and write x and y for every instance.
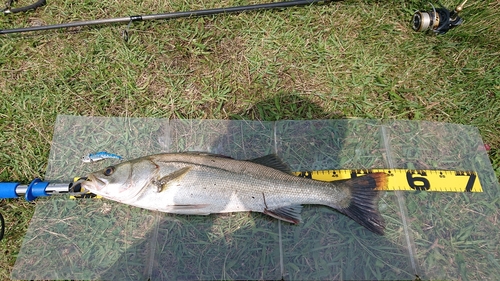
(177, 175)
(289, 214)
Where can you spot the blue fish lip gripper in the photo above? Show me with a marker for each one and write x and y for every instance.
(37, 188)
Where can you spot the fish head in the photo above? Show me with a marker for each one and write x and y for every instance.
(86, 159)
(122, 181)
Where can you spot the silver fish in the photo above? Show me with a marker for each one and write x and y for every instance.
(202, 184)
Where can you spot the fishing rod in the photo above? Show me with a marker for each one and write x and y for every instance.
(168, 16)
(438, 20)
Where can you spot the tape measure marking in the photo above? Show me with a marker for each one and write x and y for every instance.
(404, 179)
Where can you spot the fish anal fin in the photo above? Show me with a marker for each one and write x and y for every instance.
(164, 181)
(289, 214)
(272, 161)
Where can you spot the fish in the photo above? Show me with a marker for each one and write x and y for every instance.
(98, 156)
(202, 183)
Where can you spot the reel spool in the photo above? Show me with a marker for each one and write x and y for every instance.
(438, 20)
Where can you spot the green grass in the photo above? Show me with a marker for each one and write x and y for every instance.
(345, 59)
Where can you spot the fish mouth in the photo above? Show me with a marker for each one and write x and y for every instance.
(94, 182)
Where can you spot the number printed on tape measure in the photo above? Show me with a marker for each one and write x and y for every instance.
(403, 179)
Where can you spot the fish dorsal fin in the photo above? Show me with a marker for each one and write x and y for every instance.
(289, 214)
(272, 161)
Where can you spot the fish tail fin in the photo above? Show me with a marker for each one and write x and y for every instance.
(363, 207)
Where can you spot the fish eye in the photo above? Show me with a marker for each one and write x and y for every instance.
(109, 171)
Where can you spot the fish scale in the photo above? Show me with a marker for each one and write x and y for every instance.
(202, 184)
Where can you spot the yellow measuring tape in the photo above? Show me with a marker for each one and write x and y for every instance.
(401, 179)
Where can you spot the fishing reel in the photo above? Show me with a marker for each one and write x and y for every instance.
(438, 20)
